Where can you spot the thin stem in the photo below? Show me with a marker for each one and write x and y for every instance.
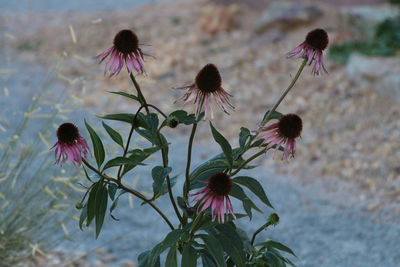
(170, 193)
(140, 94)
(259, 230)
(296, 77)
(247, 161)
(272, 110)
(131, 131)
(132, 191)
(189, 159)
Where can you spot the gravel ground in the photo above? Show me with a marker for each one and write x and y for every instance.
(338, 198)
(324, 222)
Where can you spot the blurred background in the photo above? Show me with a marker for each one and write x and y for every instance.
(341, 193)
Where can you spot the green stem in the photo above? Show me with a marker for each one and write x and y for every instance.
(296, 77)
(132, 191)
(165, 165)
(140, 94)
(247, 161)
(259, 230)
(189, 159)
(272, 110)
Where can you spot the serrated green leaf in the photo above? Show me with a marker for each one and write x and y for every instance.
(171, 260)
(114, 135)
(225, 146)
(125, 94)
(189, 257)
(214, 248)
(183, 117)
(254, 186)
(98, 147)
(118, 161)
(101, 207)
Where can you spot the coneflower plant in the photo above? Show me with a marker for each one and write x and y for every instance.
(205, 227)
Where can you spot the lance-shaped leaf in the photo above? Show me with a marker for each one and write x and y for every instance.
(118, 161)
(254, 187)
(169, 241)
(101, 207)
(124, 117)
(125, 94)
(225, 146)
(189, 257)
(98, 147)
(114, 135)
(159, 174)
(237, 192)
(214, 248)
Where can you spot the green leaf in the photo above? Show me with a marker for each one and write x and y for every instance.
(91, 204)
(171, 260)
(254, 186)
(277, 245)
(124, 117)
(115, 203)
(138, 155)
(159, 174)
(114, 135)
(215, 249)
(243, 136)
(112, 190)
(126, 95)
(118, 161)
(238, 193)
(206, 259)
(143, 260)
(189, 257)
(273, 260)
(275, 116)
(83, 216)
(183, 117)
(97, 145)
(225, 146)
(231, 243)
(169, 241)
(101, 207)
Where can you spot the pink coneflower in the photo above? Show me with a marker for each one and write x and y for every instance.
(70, 145)
(207, 89)
(283, 133)
(214, 194)
(312, 49)
(125, 50)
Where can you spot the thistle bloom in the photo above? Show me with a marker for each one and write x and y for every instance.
(214, 194)
(125, 50)
(207, 89)
(312, 49)
(283, 133)
(70, 145)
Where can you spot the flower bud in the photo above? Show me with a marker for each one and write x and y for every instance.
(78, 205)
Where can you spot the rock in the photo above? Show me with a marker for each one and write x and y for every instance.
(216, 18)
(380, 74)
(360, 21)
(286, 16)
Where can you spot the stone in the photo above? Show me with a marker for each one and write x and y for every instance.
(360, 21)
(378, 73)
(286, 16)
